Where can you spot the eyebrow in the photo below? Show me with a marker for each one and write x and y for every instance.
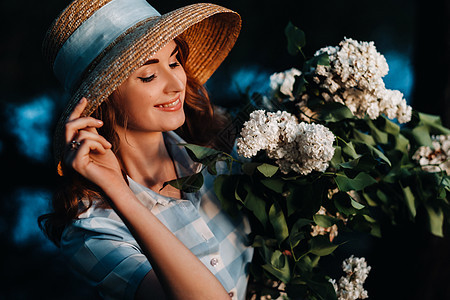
(155, 60)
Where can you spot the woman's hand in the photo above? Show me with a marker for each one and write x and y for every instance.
(87, 152)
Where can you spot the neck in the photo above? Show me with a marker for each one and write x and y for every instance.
(145, 158)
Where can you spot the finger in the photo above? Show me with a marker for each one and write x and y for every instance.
(78, 110)
(73, 127)
(82, 156)
(88, 135)
(88, 146)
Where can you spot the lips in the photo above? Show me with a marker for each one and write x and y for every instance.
(170, 106)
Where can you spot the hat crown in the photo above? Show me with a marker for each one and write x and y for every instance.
(209, 31)
(85, 29)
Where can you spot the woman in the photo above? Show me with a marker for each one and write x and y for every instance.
(136, 76)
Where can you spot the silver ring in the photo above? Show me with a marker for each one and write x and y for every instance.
(74, 145)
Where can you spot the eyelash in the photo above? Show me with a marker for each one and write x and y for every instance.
(151, 77)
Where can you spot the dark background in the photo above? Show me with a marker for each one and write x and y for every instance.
(414, 35)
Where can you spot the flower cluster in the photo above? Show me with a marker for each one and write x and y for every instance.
(284, 82)
(355, 79)
(350, 287)
(299, 147)
(437, 158)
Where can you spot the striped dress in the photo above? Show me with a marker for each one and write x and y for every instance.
(99, 247)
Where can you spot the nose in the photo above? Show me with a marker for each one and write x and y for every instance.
(175, 80)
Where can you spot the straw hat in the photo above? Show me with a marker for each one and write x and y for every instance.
(96, 45)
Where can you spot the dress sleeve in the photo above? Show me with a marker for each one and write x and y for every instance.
(104, 252)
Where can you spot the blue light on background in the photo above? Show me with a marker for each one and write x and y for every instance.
(401, 73)
(30, 123)
(32, 203)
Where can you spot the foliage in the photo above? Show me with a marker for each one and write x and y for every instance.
(372, 179)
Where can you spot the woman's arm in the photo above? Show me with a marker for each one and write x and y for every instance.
(181, 274)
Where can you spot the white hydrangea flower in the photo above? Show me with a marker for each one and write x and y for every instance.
(284, 82)
(350, 287)
(437, 158)
(300, 147)
(355, 78)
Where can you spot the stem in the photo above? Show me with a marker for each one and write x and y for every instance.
(342, 140)
(303, 54)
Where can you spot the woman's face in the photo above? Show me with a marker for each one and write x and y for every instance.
(153, 96)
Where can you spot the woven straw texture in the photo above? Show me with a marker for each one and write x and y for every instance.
(210, 31)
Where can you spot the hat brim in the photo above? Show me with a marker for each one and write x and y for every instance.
(209, 30)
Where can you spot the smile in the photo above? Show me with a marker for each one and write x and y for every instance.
(175, 105)
(171, 104)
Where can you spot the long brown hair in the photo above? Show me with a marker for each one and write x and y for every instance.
(201, 127)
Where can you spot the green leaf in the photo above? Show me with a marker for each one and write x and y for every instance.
(362, 163)
(279, 266)
(402, 143)
(362, 137)
(343, 203)
(422, 136)
(299, 86)
(322, 60)
(374, 152)
(390, 127)
(224, 188)
(376, 230)
(335, 112)
(445, 182)
(257, 206)
(379, 136)
(267, 170)
(337, 157)
(296, 234)
(356, 204)
(300, 223)
(429, 119)
(200, 154)
(349, 149)
(369, 199)
(410, 201)
(361, 181)
(312, 63)
(324, 220)
(212, 168)
(382, 196)
(323, 290)
(436, 219)
(188, 184)
(295, 39)
(304, 200)
(433, 123)
(278, 221)
(320, 245)
(275, 185)
(249, 168)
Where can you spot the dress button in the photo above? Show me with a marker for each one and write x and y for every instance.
(214, 262)
(231, 294)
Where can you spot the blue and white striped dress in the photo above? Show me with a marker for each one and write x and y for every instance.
(100, 247)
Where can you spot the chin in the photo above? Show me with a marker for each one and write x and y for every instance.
(174, 123)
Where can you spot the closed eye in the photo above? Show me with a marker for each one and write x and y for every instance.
(147, 79)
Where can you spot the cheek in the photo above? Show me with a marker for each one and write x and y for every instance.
(134, 102)
(182, 77)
